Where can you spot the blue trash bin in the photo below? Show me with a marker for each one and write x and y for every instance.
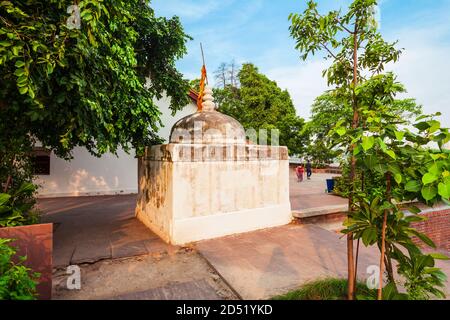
(330, 185)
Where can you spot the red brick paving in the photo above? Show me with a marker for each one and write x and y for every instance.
(311, 193)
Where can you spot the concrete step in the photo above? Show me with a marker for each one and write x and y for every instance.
(328, 217)
(319, 211)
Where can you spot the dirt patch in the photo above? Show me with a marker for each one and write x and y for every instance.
(171, 276)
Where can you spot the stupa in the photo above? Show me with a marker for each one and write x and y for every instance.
(209, 182)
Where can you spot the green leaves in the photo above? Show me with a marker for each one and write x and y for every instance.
(430, 126)
(434, 126)
(5, 43)
(19, 64)
(19, 72)
(373, 164)
(398, 178)
(4, 197)
(15, 206)
(18, 282)
(414, 209)
(425, 239)
(53, 75)
(429, 178)
(391, 154)
(399, 135)
(444, 189)
(413, 186)
(23, 90)
(341, 131)
(394, 168)
(379, 140)
(369, 236)
(439, 256)
(422, 126)
(367, 142)
(429, 192)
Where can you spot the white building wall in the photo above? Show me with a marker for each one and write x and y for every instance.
(109, 174)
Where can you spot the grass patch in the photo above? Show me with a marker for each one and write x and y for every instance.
(323, 289)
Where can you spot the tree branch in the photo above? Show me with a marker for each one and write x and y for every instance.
(329, 51)
(343, 26)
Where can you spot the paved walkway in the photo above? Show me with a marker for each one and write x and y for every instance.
(88, 229)
(183, 275)
(256, 265)
(310, 195)
(262, 264)
(266, 263)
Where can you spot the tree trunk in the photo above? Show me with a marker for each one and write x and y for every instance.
(383, 237)
(350, 260)
(382, 256)
(356, 264)
(389, 268)
(8, 182)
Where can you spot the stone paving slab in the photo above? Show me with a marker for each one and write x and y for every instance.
(262, 264)
(102, 227)
(181, 275)
(266, 263)
(309, 196)
(191, 290)
(325, 210)
(90, 229)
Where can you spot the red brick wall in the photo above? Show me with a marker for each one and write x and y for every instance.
(437, 227)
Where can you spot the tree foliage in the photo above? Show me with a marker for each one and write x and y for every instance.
(372, 133)
(16, 206)
(328, 109)
(91, 86)
(258, 103)
(17, 282)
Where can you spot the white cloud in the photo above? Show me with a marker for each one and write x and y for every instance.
(304, 83)
(424, 68)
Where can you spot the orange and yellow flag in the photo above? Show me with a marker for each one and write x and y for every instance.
(202, 89)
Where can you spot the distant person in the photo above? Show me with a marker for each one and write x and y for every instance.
(308, 170)
(299, 171)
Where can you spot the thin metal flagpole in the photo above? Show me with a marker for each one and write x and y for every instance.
(203, 59)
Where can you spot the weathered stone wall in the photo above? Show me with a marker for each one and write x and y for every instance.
(155, 197)
(195, 192)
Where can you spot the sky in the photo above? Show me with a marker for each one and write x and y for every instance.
(257, 31)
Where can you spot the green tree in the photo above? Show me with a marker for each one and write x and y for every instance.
(359, 54)
(91, 85)
(325, 113)
(195, 85)
(17, 282)
(328, 109)
(259, 103)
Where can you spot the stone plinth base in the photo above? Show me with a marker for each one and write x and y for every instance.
(195, 192)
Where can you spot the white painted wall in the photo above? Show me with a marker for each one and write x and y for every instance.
(89, 175)
(184, 200)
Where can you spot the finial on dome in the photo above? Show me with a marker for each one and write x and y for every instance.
(208, 100)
